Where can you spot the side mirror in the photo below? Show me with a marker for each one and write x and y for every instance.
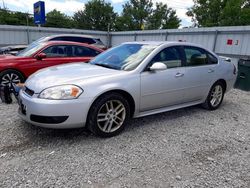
(226, 58)
(158, 66)
(41, 56)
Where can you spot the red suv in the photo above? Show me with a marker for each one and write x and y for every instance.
(15, 69)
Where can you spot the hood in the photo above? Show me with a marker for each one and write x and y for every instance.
(10, 57)
(4, 56)
(75, 73)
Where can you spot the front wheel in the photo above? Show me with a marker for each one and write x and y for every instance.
(215, 97)
(108, 115)
(10, 77)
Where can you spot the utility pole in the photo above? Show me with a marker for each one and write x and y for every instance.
(28, 31)
(4, 7)
(108, 37)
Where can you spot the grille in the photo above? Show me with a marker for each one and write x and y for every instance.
(29, 91)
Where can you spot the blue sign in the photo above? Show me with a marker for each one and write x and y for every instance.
(39, 13)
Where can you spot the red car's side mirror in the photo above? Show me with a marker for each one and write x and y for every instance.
(41, 56)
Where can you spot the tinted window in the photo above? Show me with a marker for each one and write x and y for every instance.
(75, 39)
(197, 56)
(59, 51)
(80, 51)
(57, 39)
(169, 56)
(87, 40)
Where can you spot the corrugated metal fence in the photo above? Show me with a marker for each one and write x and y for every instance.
(229, 41)
(10, 35)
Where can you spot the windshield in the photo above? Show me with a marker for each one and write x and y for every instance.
(42, 39)
(124, 57)
(31, 49)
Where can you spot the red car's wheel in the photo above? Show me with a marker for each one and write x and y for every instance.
(9, 77)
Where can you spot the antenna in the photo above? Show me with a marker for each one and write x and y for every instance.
(4, 7)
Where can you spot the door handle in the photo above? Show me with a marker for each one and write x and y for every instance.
(179, 74)
(210, 70)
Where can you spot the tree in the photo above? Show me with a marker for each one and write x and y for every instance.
(140, 14)
(14, 18)
(96, 16)
(236, 12)
(163, 18)
(135, 15)
(57, 19)
(208, 13)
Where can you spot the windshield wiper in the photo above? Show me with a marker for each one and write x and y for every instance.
(104, 65)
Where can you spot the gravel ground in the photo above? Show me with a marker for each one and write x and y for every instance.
(190, 147)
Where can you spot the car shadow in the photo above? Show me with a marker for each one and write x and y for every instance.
(37, 137)
(68, 134)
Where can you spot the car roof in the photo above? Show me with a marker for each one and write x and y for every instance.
(71, 43)
(159, 43)
(170, 43)
(73, 35)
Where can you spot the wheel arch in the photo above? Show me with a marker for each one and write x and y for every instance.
(13, 69)
(224, 83)
(124, 93)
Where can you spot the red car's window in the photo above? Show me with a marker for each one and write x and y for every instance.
(70, 51)
(81, 51)
(58, 51)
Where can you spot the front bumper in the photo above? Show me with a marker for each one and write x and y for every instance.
(58, 114)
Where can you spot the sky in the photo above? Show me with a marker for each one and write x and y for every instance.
(70, 6)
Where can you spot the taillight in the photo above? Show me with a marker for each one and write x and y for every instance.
(235, 70)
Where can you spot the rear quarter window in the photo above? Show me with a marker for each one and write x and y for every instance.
(212, 59)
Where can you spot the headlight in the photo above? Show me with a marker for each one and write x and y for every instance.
(61, 92)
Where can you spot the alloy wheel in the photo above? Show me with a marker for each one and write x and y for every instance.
(216, 95)
(10, 79)
(111, 116)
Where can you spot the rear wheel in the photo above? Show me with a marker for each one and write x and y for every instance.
(215, 96)
(108, 115)
(10, 77)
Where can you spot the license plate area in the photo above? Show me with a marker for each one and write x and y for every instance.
(23, 108)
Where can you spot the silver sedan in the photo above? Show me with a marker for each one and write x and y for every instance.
(131, 80)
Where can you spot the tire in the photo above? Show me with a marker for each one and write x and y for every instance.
(215, 97)
(9, 77)
(108, 115)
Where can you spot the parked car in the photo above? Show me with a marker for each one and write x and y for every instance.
(15, 69)
(131, 80)
(12, 50)
(88, 39)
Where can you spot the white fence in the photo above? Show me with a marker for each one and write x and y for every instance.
(229, 41)
(10, 35)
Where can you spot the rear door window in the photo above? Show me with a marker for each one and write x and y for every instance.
(197, 56)
(81, 51)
